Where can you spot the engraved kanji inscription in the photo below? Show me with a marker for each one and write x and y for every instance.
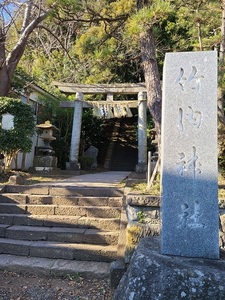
(190, 219)
(193, 117)
(183, 216)
(188, 165)
(190, 82)
(180, 119)
(195, 221)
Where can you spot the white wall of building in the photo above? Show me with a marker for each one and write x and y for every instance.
(33, 101)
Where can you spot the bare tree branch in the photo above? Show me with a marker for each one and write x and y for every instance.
(49, 31)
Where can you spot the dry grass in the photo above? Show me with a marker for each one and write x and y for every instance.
(142, 187)
(155, 188)
(29, 178)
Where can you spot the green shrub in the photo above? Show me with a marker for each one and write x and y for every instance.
(86, 162)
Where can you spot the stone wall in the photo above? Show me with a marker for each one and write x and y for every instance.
(143, 217)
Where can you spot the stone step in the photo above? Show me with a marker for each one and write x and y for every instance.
(110, 224)
(79, 224)
(53, 267)
(65, 191)
(60, 200)
(58, 250)
(59, 234)
(82, 211)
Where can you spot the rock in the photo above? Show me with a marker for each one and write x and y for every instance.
(16, 179)
(152, 275)
(117, 270)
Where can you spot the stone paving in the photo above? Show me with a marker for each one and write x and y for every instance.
(102, 179)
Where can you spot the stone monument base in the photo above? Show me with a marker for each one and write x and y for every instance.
(73, 166)
(44, 163)
(141, 168)
(152, 275)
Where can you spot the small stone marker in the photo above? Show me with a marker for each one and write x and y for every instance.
(189, 155)
(93, 153)
(7, 121)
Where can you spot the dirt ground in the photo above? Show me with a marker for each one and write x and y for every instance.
(20, 287)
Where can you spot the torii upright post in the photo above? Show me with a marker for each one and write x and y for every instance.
(76, 131)
(141, 167)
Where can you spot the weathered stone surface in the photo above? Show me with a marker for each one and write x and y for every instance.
(189, 155)
(15, 247)
(92, 201)
(95, 236)
(8, 208)
(221, 203)
(59, 267)
(39, 199)
(70, 251)
(143, 200)
(6, 219)
(99, 212)
(152, 275)
(70, 211)
(86, 269)
(41, 209)
(28, 189)
(93, 153)
(142, 214)
(3, 228)
(68, 235)
(103, 223)
(16, 179)
(60, 221)
(52, 250)
(26, 265)
(29, 233)
(86, 191)
(13, 198)
(135, 232)
(45, 161)
(117, 270)
(115, 201)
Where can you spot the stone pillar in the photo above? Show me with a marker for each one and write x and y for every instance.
(189, 155)
(141, 167)
(76, 131)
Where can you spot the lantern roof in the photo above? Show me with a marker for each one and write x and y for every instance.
(47, 125)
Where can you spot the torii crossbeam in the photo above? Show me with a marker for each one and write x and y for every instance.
(109, 90)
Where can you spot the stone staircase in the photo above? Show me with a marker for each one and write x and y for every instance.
(60, 222)
(125, 151)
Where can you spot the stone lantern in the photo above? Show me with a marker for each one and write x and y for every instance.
(47, 136)
(45, 161)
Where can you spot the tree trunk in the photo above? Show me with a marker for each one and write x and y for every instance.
(221, 67)
(151, 74)
(220, 101)
(4, 80)
(152, 79)
(23, 161)
(8, 63)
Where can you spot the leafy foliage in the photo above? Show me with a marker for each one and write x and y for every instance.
(99, 41)
(91, 131)
(19, 137)
(86, 162)
(61, 118)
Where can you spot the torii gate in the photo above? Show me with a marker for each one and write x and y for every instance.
(109, 90)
